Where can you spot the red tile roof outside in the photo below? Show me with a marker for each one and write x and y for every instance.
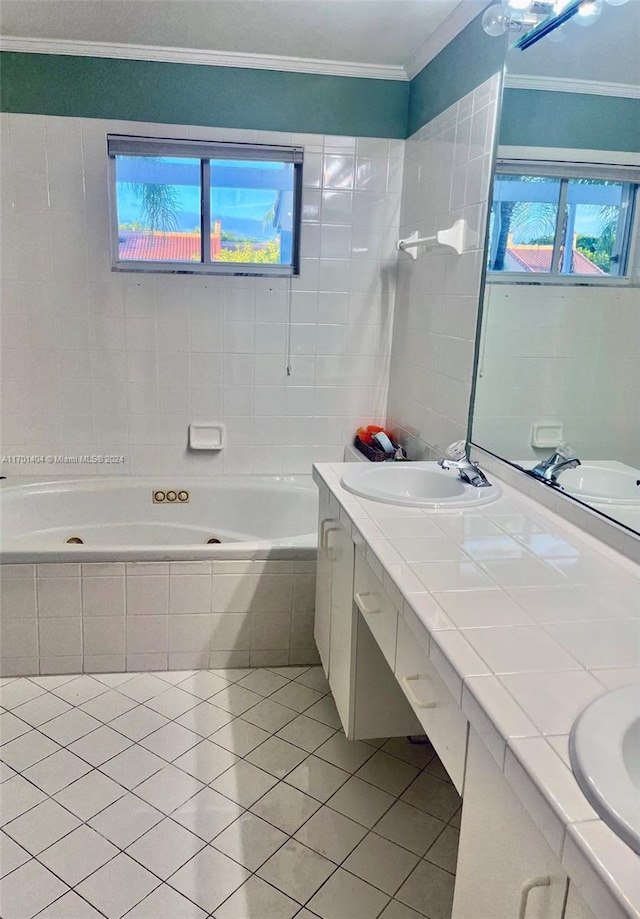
(538, 259)
(159, 247)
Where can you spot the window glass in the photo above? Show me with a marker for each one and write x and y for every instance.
(522, 229)
(158, 206)
(592, 229)
(251, 212)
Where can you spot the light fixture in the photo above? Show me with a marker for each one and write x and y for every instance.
(518, 6)
(496, 20)
(558, 35)
(540, 18)
(588, 12)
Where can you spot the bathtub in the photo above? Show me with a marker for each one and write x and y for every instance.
(141, 587)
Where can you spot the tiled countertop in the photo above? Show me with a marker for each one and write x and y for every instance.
(528, 619)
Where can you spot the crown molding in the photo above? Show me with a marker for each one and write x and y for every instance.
(464, 13)
(567, 85)
(205, 58)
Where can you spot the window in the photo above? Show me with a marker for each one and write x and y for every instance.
(212, 208)
(560, 225)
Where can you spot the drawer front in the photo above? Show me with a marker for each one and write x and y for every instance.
(437, 710)
(376, 608)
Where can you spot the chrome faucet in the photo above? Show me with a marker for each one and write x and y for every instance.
(549, 470)
(467, 471)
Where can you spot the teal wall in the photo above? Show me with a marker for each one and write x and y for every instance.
(539, 118)
(91, 87)
(230, 97)
(470, 59)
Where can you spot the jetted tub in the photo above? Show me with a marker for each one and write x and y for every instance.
(145, 589)
(148, 519)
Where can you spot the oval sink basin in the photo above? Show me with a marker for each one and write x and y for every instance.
(604, 747)
(415, 485)
(597, 483)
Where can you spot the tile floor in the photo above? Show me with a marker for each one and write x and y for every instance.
(230, 794)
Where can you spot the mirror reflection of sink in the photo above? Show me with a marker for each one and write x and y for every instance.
(416, 485)
(604, 484)
(599, 482)
(605, 757)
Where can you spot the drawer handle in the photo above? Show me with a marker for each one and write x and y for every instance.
(408, 688)
(544, 881)
(362, 606)
(324, 533)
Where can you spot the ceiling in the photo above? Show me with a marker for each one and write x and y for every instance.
(380, 32)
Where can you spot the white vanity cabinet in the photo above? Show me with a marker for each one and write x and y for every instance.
(355, 630)
(379, 658)
(334, 626)
(506, 869)
(322, 622)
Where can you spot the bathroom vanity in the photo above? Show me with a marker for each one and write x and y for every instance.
(434, 622)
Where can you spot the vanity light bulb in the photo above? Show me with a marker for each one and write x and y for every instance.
(495, 21)
(518, 6)
(588, 13)
(615, 2)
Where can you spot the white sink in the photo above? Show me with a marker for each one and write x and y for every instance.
(605, 757)
(604, 484)
(416, 485)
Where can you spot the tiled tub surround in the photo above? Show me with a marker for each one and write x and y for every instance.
(528, 619)
(229, 793)
(69, 618)
(100, 363)
(446, 178)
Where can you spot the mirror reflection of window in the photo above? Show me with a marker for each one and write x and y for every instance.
(552, 226)
(522, 229)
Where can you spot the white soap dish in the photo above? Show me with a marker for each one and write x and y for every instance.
(546, 434)
(206, 436)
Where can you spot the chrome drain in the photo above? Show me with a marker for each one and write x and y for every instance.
(75, 541)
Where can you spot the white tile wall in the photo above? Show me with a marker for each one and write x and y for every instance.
(562, 355)
(100, 363)
(446, 177)
(112, 617)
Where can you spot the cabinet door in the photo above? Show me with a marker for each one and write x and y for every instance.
(327, 524)
(502, 852)
(342, 624)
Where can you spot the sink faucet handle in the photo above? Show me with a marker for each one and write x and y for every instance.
(467, 471)
(549, 469)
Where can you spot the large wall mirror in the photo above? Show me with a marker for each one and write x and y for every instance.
(558, 368)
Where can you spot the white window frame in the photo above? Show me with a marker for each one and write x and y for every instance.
(205, 151)
(566, 168)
